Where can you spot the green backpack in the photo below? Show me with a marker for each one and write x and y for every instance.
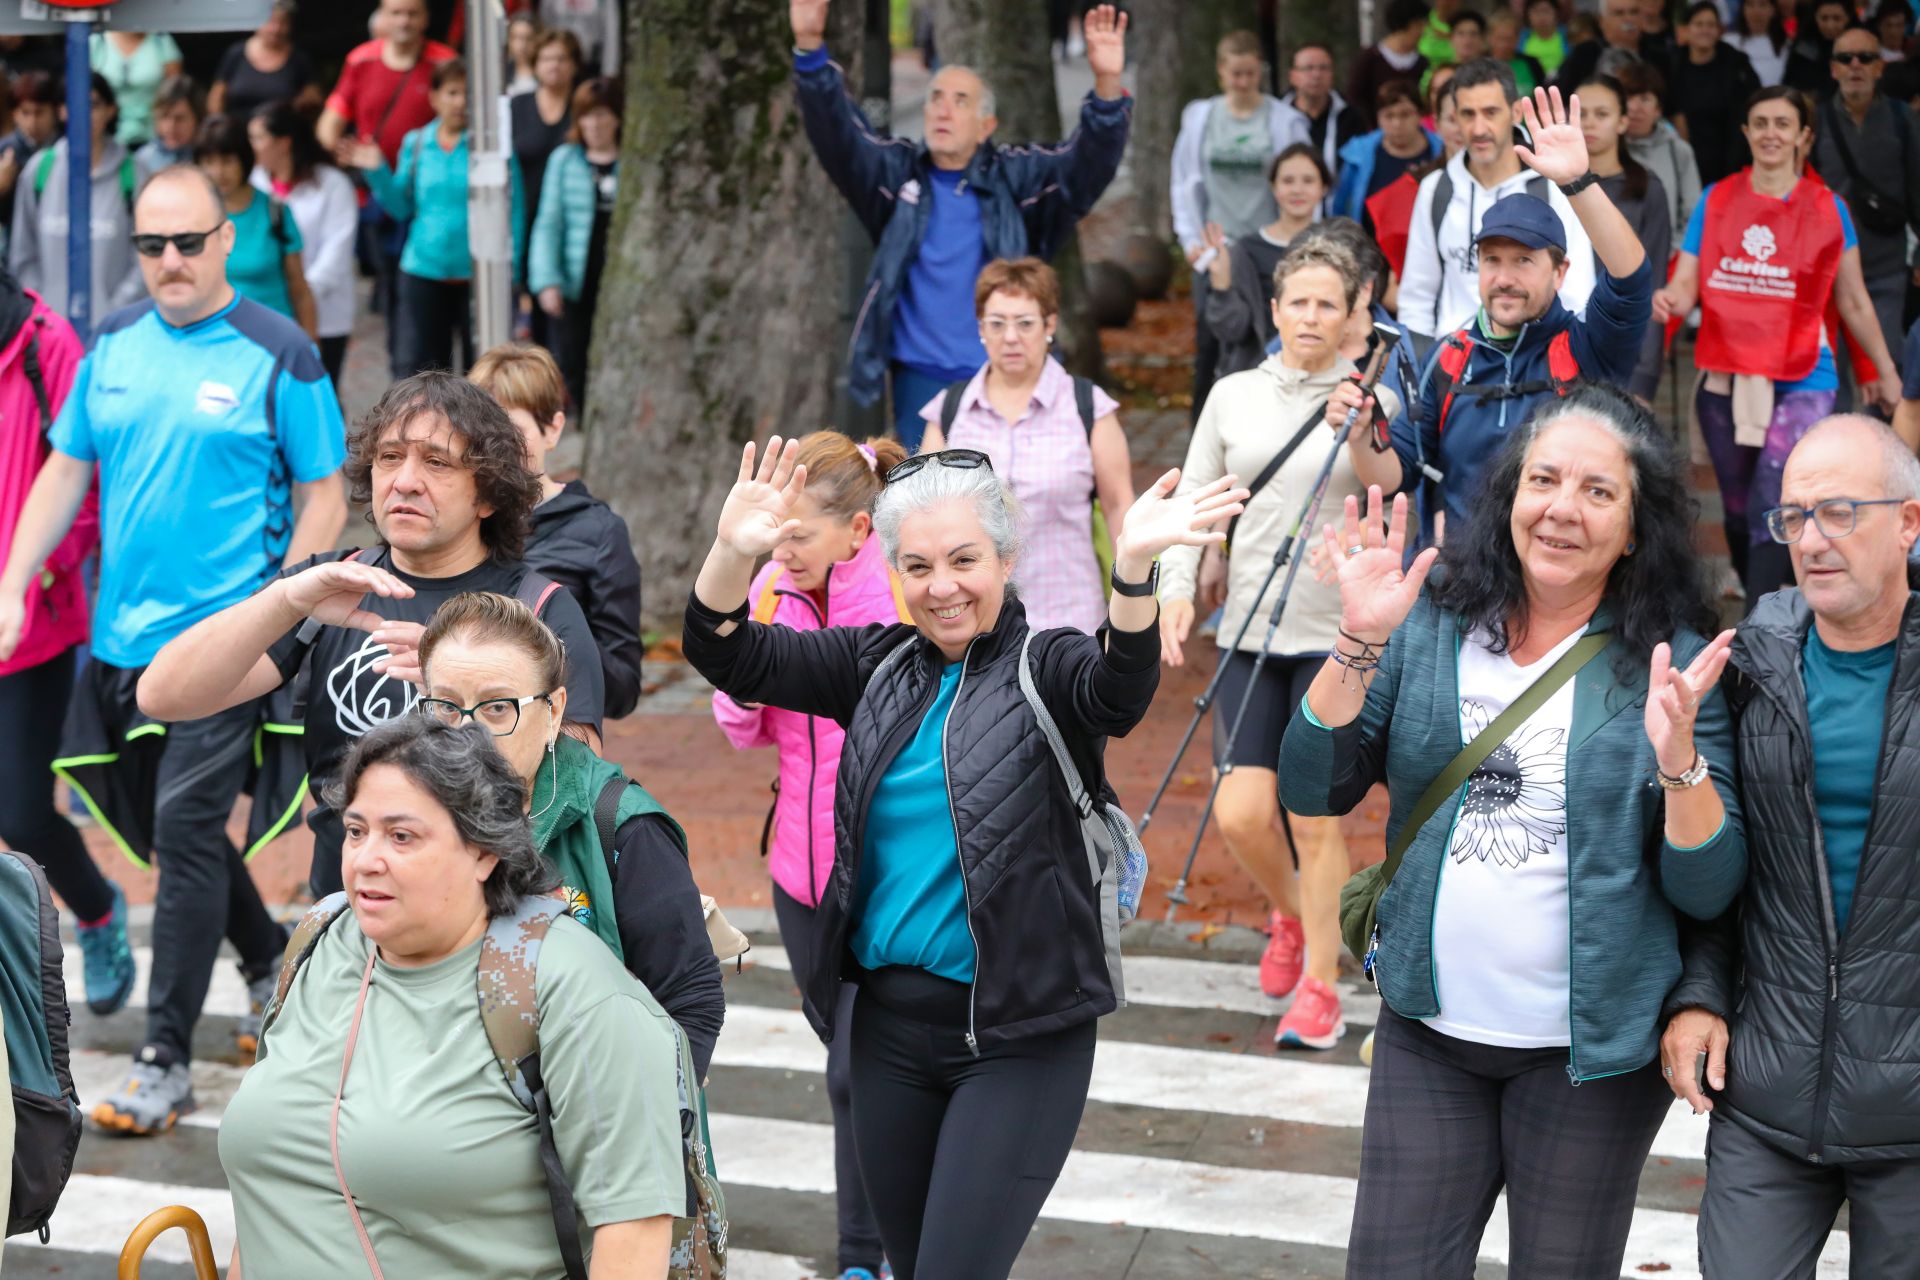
(128, 178)
(33, 1009)
(509, 961)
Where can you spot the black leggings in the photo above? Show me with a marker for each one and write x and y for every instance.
(1450, 1124)
(33, 707)
(958, 1152)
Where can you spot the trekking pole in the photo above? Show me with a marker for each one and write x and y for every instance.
(1385, 338)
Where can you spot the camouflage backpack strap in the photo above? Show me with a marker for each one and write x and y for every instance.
(704, 1229)
(306, 936)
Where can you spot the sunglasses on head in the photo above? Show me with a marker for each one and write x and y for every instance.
(1855, 59)
(964, 459)
(189, 243)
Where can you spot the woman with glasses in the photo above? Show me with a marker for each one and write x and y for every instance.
(961, 902)
(1783, 257)
(486, 658)
(1054, 439)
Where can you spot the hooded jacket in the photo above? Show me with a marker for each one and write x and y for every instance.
(1356, 171)
(57, 597)
(1030, 197)
(1343, 124)
(1040, 941)
(580, 543)
(1821, 1054)
(861, 590)
(37, 252)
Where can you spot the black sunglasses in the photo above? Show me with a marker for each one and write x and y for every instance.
(189, 243)
(1856, 59)
(964, 459)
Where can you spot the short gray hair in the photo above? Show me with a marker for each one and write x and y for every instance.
(1899, 468)
(458, 766)
(933, 485)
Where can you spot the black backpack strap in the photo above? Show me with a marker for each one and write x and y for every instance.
(37, 378)
(606, 818)
(1083, 401)
(1279, 460)
(566, 1214)
(950, 407)
(535, 591)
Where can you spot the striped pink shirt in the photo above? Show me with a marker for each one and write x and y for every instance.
(1047, 458)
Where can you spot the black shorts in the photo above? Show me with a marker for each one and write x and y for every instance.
(1283, 683)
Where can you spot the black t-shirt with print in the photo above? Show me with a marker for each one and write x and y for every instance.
(344, 697)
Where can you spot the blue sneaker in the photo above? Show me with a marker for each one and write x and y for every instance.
(858, 1273)
(107, 960)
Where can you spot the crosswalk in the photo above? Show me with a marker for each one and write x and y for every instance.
(1202, 1153)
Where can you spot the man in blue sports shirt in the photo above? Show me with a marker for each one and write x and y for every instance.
(211, 423)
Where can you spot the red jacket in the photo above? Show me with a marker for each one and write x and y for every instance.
(57, 597)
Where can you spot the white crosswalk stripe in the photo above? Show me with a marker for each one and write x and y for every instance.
(762, 1148)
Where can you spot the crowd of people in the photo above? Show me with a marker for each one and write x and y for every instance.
(1634, 854)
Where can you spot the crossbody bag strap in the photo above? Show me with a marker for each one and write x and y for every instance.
(1484, 743)
(1076, 786)
(1279, 460)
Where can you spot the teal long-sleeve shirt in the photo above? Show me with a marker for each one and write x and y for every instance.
(430, 189)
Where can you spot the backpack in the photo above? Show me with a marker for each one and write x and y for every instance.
(1450, 361)
(536, 589)
(128, 178)
(727, 941)
(509, 963)
(33, 1007)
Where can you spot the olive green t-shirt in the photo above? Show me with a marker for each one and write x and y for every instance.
(442, 1160)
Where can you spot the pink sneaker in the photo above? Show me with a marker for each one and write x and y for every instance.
(1314, 1021)
(1286, 951)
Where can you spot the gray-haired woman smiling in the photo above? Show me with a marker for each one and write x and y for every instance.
(381, 1032)
(960, 883)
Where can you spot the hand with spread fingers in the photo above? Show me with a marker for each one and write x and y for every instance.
(1160, 518)
(1377, 588)
(758, 515)
(1673, 700)
(331, 593)
(1559, 150)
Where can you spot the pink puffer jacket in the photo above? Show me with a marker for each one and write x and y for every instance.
(859, 591)
(57, 597)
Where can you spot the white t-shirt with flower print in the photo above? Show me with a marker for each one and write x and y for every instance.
(1501, 931)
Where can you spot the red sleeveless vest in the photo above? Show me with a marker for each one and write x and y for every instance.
(1767, 268)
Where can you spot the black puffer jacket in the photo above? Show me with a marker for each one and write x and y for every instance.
(1825, 1053)
(579, 542)
(1040, 953)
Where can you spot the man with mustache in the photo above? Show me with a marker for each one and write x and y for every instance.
(211, 423)
(443, 473)
(1524, 344)
(1801, 1002)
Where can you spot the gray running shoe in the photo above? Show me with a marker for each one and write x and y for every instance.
(153, 1098)
(246, 1032)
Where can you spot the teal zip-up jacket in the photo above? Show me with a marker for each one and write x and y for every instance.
(563, 224)
(430, 190)
(1625, 881)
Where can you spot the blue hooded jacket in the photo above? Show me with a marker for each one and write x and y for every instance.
(1030, 197)
(1356, 171)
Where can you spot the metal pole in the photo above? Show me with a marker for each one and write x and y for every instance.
(79, 178)
(489, 206)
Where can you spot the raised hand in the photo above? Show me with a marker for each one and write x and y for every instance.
(1106, 31)
(809, 19)
(1559, 150)
(758, 515)
(331, 593)
(1673, 700)
(1376, 593)
(1158, 519)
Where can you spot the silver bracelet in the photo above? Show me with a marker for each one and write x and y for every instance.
(1693, 777)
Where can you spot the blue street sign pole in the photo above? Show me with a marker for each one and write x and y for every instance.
(79, 179)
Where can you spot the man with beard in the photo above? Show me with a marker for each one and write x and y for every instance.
(1525, 344)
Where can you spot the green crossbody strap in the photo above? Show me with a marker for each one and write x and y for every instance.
(1461, 767)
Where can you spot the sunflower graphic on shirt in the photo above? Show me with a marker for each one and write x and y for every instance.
(1516, 802)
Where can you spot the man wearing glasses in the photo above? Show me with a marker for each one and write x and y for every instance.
(1868, 152)
(443, 474)
(218, 443)
(1801, 1003)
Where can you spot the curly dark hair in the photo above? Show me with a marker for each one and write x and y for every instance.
(1654, 593)
(460, 768)
(494, 452)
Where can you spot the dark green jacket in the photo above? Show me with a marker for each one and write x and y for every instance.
(1625, 881)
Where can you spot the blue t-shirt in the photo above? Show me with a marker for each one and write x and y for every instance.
(910, 907)
(934, 331)
(1847, 707)
(1910, 365)
(256, 268)
(1825, 376)
(199, 434)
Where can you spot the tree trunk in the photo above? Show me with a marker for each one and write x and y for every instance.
(717, 320)
(1175, 58)
(1006, 42)
(1335, 25)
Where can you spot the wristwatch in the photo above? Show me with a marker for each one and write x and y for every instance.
(1579, 184)
(1136, 589)
(1691, 778)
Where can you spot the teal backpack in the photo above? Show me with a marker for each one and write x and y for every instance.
(33, 1008)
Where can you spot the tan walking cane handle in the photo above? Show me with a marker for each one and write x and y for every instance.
(160, 1221)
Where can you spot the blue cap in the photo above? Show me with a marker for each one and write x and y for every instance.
(1529, 220)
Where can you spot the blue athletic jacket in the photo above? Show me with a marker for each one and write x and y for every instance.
(1030, 196)
(1356, 171)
